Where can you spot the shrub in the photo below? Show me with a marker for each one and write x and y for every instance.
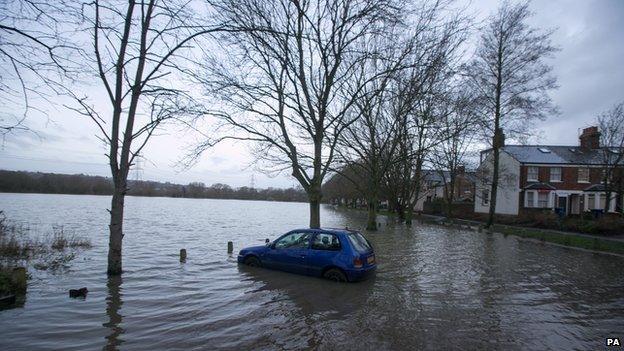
(15, 246)
(62, 240)
(610, 225)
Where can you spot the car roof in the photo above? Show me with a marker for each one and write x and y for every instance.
(326, 230)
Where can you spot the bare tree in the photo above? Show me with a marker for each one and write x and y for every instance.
(365, 148)
(422, 53)
(511, 80)
(459, 130)
(611, 126)
(32, 50)
(423, 98)
(142, 54)
(283, 88)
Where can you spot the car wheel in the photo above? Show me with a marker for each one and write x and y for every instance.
(336, 275)
(253, 261)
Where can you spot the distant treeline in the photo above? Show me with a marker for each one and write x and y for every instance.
(51, 183)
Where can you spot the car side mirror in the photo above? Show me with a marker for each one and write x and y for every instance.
(267, 241)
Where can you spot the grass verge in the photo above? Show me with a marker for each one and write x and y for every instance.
(567, 239)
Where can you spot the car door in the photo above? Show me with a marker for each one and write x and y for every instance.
(289, 253)
(324, 249)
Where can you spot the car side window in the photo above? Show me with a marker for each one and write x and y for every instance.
(324, 241)
(293, 241)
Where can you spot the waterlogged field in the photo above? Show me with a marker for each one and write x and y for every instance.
(436, 287)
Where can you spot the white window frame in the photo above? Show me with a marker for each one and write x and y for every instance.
(531, 203)
(560, 174)
(586, 171)
(539, 202)
(529, 173)
(591, 204)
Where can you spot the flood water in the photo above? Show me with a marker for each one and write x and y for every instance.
(435, 288)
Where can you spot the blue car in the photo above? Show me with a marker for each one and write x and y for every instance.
(336, 254)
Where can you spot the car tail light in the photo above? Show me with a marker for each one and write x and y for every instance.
(357, 263)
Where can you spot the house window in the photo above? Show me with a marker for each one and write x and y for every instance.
(532, 174)
(591, 201)
(542, 200)
(555, 174)
(583, 175)
(603, 201)
(530, 198)
(485, 197)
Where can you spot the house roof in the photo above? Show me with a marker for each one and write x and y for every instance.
(435, 176)
(595, 187)
(557, 154)
(540, 186)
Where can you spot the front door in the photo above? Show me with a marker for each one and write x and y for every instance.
(563, 204)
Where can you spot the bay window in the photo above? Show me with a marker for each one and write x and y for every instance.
(591, 201)
(530, 198)
(603, 201)
(542, 200)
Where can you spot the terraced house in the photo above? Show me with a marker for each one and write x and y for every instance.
(568, 179)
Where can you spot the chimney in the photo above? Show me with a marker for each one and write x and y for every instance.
(590, 138)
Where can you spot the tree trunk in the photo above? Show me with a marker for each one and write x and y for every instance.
(314, 196)
(409, 213)
(450, 195)
(620, 196)
(401, 212)
(116, 231)
(497, 140)
(372, 214)
(411, 202)
(608, 195)
(494, 188)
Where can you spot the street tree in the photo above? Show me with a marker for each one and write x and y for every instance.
(611, 126)
(142, 54)
(458, 134)
(511, 80)
(284, 88)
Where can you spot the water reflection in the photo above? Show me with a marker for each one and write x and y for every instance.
(115, 319)
(311, 295)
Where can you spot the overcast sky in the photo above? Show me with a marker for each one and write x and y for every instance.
(589, 68)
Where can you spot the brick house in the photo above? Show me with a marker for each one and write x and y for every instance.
(435, 185)
(568, 178)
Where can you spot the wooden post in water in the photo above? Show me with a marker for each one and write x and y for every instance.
(230, 247)
(182, 255)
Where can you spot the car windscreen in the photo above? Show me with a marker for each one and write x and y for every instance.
(358, 242)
